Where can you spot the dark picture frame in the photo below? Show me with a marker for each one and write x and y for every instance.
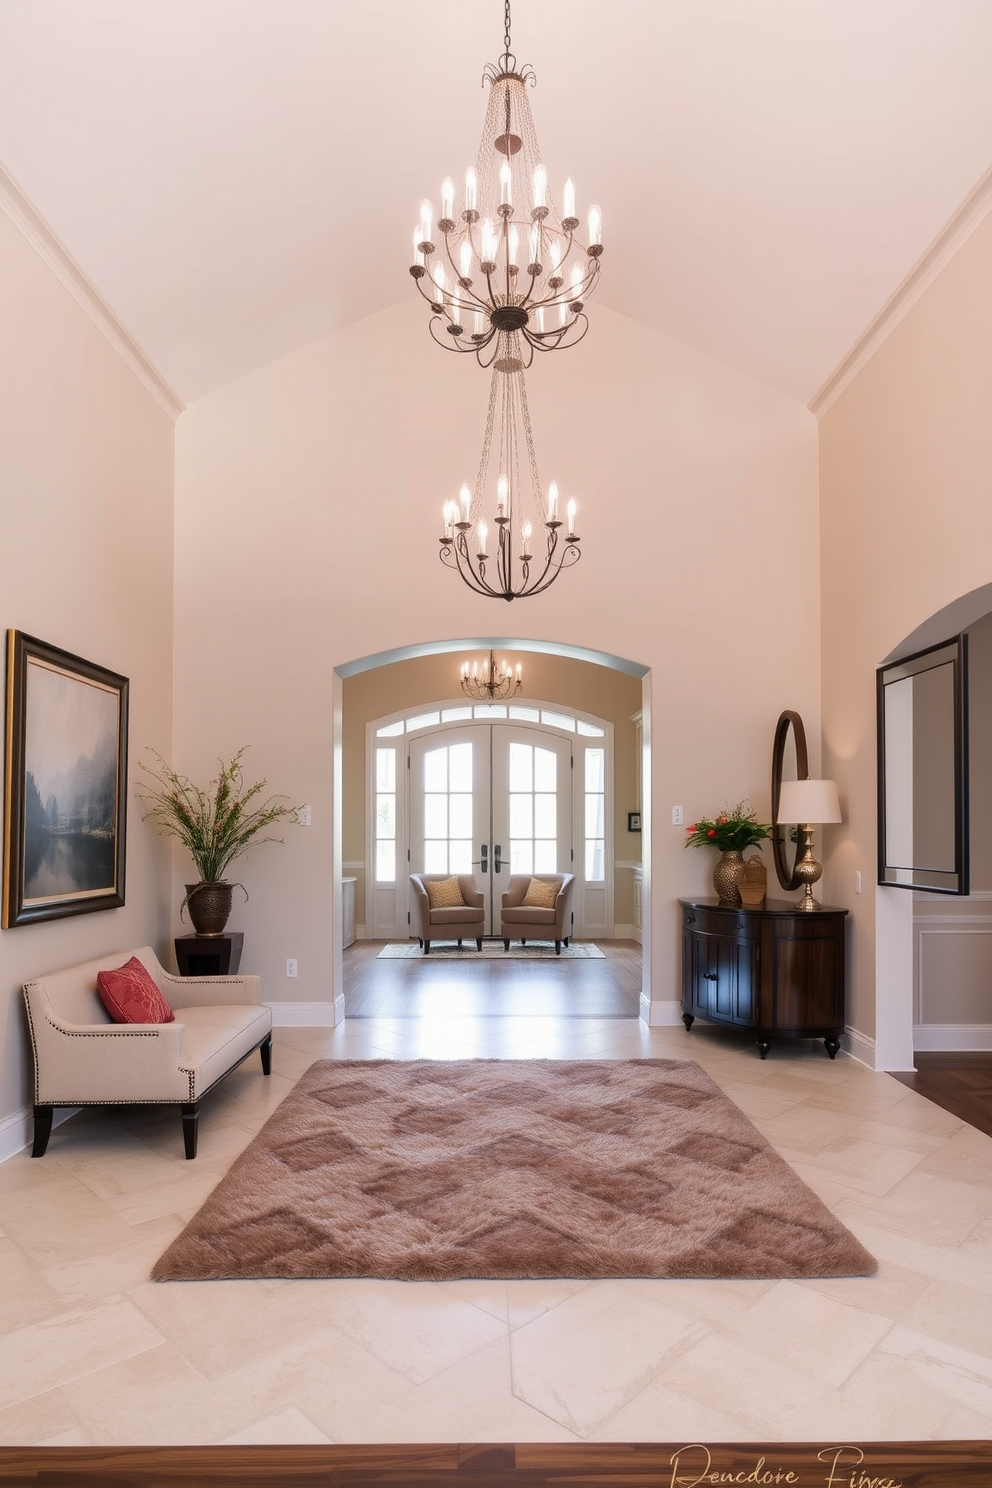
(633, 821)
(65, 784)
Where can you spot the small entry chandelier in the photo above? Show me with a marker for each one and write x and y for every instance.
(516, 559)
(508, 260)
(490, 684)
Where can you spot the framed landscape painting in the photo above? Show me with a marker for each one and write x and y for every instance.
(65, 797)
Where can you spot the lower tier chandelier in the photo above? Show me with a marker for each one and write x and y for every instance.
(523, 559)
(490, 685)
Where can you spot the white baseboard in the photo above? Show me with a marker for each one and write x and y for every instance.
(627, 932)
(307, 1014)
(859, 1046)
(662, 1014)
(17, 1131)
(951, 1038)
(360, 932)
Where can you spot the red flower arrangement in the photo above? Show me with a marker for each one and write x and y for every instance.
(733, 830)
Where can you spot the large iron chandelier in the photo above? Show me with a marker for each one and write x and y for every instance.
(508, 261)
(528, 544)
(490, 685)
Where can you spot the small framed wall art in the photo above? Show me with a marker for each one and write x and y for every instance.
(65, 784)
(633, 821)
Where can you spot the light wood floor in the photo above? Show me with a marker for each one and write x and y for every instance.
(493, 988)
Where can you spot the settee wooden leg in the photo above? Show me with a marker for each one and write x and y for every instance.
(506, 944)
(191, 1121)
(265, 1050)
(42, 1129)
(478, 943)
(427, 947)
(557, 947)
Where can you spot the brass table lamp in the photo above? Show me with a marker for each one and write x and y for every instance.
(806, 802)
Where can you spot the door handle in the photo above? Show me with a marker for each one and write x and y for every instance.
(484, 850)
(497, 859)
(710, 976)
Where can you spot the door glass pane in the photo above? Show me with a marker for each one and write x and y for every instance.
(385, 862)
(423, 720)
(522, 767)
(595, 769)
(460, 857)
(522, 857)
(436, 770)
(545, 770)
(385, 816)
(460, 771)
(595, 861)
(545, 816)
(452, 715)
(521, 816)
(595, 821)
(460, 816)
(435, 816)
(546, 856)
(435, 857)
(385, 769)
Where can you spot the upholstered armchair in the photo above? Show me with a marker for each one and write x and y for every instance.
(448, 921)
(525, 917)
(83, 1058)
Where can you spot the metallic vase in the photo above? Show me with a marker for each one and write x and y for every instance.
(727, 876)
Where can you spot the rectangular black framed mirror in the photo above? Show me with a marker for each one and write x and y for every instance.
(923, 770)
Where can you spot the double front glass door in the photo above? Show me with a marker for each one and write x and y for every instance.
(491, 800)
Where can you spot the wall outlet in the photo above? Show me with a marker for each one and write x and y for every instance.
(857, 881)
(303, 816)
(676, 816)
(291, 967)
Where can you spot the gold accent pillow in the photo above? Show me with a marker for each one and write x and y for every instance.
(541, 894)
(444, 893)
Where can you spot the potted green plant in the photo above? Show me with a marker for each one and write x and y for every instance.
(732, 831)
(215, 826)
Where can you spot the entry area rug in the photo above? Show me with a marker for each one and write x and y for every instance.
(492, 950)
(430, 1170)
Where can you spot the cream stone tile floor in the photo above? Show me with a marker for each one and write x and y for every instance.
(94, 1353)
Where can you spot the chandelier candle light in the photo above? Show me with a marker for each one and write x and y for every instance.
(491, 685)
(508, 260)
(521, 562)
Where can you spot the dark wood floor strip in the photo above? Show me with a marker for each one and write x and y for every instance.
(958, 1083)
(942, 1464)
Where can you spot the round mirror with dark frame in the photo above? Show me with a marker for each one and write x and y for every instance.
(789, 762)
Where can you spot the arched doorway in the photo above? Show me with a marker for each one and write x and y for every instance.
(575, 673)
(903, 1021)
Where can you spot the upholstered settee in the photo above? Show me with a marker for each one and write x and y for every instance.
(465, 921)
(520, 921)
(83, 1058)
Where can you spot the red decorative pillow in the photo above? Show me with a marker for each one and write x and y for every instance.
(130, 994)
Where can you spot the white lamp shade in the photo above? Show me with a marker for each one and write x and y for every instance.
(808, 801)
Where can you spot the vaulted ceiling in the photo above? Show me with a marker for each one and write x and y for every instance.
(238, 177)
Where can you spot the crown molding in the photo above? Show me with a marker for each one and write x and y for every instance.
(972, 212)
(15, 205)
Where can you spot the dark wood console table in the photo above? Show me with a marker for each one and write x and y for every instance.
(209, 955)
(776, 972)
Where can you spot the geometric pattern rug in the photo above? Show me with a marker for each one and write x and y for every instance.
(434, 1170)
(492, 950)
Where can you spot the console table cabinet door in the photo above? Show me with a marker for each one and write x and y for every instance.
(720, 975)
(807, 982)
(777, 970)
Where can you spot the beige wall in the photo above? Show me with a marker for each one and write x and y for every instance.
(86, 564)
(308, 498)
(906, 528)
(608, 694)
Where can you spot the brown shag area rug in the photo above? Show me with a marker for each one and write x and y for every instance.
(432, 1170)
